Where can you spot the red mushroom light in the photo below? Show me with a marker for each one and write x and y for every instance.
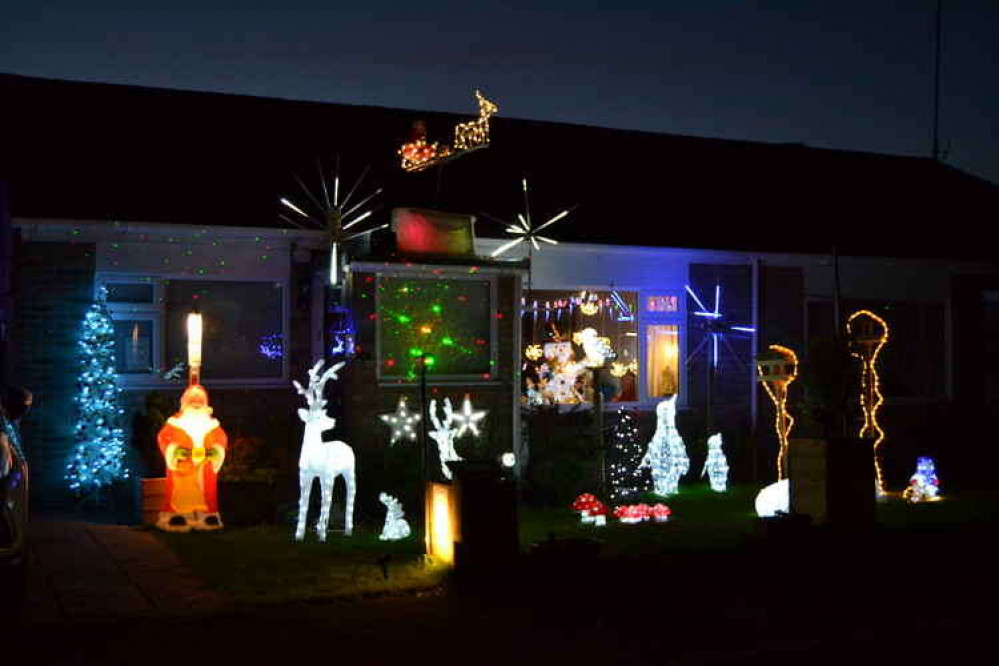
(598, 512)
(584, 503)
(660, 513)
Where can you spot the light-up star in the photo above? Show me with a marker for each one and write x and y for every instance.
(525, 230)
(467, 418)
(402, 422)
(333, 214)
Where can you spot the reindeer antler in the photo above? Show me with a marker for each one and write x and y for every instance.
(314, 394)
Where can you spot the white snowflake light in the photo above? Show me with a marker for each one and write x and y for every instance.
(524, 228)
(666, 455)
(468, 419)
(396, 526)
(325, 460)
(331, 213)
(402, 422)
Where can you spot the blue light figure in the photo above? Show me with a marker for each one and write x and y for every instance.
(923, 485)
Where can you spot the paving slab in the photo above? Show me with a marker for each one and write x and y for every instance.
(90, 571)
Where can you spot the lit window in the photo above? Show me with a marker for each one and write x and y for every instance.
(662, 343)
(662, 304)
(133, 339)
(578, 343)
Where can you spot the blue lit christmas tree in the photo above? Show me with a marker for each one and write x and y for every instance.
(99, 455)
(625, 454)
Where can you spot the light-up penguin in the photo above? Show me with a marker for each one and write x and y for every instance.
(923, 485)
(716, 465)
(193, 445)
(666, 455)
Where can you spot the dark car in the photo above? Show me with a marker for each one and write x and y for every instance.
(13, 519)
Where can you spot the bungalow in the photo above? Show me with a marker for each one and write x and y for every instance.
(679, 260)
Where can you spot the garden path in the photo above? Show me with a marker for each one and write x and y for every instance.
(89, 571)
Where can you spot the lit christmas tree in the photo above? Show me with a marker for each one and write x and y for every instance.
(99, 456)
(625, 454)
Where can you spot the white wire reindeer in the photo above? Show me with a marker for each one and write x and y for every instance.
(444, 435)
(325, 460)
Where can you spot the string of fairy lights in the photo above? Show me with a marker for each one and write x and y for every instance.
(99, 455)
(868, 334)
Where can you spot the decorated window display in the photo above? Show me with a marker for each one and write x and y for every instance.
(578, 343)
(448, 321)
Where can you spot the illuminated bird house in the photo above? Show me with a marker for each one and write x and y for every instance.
(776, 368)
(868, 334)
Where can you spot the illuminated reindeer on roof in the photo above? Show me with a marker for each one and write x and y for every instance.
(325, 460)
(475, 133)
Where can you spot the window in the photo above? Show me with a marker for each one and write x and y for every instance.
(580, 342)
(242, 326)
(133, 340)
(662, 359)
(244, 332)
(662, 304)
(448, 320)
(912, 362)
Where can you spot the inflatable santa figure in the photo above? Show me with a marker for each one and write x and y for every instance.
(193, 445)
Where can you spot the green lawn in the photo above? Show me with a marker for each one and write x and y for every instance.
(265, 564)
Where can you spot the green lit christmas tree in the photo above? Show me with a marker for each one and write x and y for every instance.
(624, 456)
(99, 454)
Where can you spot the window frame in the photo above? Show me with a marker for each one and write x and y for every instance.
(156, 312)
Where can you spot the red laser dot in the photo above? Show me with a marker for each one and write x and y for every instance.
(372, 316)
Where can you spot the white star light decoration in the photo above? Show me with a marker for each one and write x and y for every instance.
(467, 419)
(525, 231)
(402, 422)
(333, 214)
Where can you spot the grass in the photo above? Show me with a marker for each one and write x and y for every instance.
(254, 564)
(264, 564)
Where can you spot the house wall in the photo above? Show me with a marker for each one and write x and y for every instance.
(56, 279)
(365, 397)
(786, 285)
(53, 289)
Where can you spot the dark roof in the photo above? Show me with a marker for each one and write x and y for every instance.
(99, 151)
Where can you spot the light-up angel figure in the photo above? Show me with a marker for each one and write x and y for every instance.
(325, 460)
(396, 526)
(331, 213)
(924, 485)
(868, 334)
(193, 445)
(716, 465)
(666, 455)
(444, 434)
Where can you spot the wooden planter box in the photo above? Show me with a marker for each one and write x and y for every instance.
(241, 503)
(153, 497)
(833, 481)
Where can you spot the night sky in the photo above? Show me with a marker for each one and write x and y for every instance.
(851, 75)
